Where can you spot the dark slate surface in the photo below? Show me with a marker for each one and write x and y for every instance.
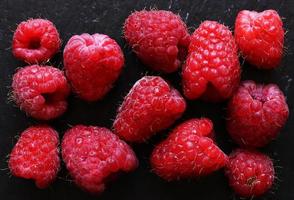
(107, 16)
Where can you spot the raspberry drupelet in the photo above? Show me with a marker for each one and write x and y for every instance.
(212, 70)
(151, 106)
(36, 155)
(92, 64)
(40, 91)
(250, 173)
(188, 152)
(260, 37)
(159, 38)
(35, 41)
(94, 156)
(256, 114)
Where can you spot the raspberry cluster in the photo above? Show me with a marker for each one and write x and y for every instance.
(211, 71)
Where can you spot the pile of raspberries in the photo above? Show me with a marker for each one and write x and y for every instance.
(209, 61)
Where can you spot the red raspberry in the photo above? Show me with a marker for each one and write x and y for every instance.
(201, 127)
(36, 155)
(92, 64)
(250, 173)
(35, 41)
(212, 70)
(187, 153)
(260, 37)
(40, 91)
(93, 155)
(151, 105)
(256, 114)
(158, 37)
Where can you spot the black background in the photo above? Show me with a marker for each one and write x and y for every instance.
(107, 16)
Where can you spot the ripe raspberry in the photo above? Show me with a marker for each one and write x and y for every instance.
(201, 127)
(151, 105)
(40, 91)
(158, 37)
(187, 153)
(92, 64)
(94, 155)
(260, 37)
(35, 41)
(36, 155)
(212, 70)
(250, 173)
(256, 113)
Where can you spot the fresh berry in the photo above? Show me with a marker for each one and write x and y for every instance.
(256, 114)
(36, 155)
(260, 37)
(159, 38)
(40, 91)
(94, 155)
(212, 70)
(92, 64)
(150, 106)
(35, 41)
(201, 127)
(250, 173)
(187, 153)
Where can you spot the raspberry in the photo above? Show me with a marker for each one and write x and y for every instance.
(158, 37)
(201, 127)
(92, 64)
(150, 106)
(40, 91)
(187, 153)
(36, 156)
(94, 155)
(256, 114)
(250, 173)
(212, 70)
(35, 41)
(260, 37)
